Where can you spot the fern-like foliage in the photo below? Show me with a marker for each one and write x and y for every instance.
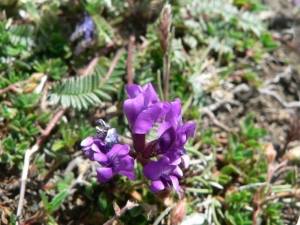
(105, 31)
(79, 92)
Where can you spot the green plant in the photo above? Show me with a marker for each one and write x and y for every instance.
(81, 91)
(52, 206)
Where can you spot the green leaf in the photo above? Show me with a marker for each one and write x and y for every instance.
(269, 42)
(224, 179)
(235, 196)
(45, 200)
(103, 202)
(80, 92)
(8, 113)
(21, 148)
(57, 201)
(230, 169)
(9, 143)
(58, 145)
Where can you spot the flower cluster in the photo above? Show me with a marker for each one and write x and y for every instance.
(106, 150)
(161, 158)
(143, 110)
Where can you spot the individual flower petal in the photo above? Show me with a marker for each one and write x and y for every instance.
(132, 108)
(174, 114)
(99, 145)
(163, 127)
(100, 158)
(95, 148)
(147, 91)
(104, 174)
(149, 95)
(185, 160)
(91, 146)
(177, 172)
(175, 183)
(146, 119)
(157, 186)
(166, 140)
(118, 150)
(125, 163)
(89, 154)
(128, 174)
(174, 154)
(165, 109)
(153, 170)
(87, 141)
(133, 90)
(184, 132)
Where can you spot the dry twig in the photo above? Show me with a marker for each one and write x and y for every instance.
(112, 65)
(129, 205)
(95, 60)
(209, 113)
(280, 99)
(31, 151)
(13, 87)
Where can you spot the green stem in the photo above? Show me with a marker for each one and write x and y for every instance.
(164, 213)
(199, 190)
(160, 91)
(211, 163)
(214, 214)
(167, 66)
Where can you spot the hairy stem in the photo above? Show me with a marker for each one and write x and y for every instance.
(129, 59)
(167, 66)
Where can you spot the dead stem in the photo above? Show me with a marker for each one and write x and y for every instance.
(113, 65)
(216, 122)
(129, 205)
(95, 60)
(13, 87)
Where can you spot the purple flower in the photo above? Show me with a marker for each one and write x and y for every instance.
(183, 132)
(161, 145)
(93, 148)
(142, 109)
(174, 119)
(86, 28)
(108, 135)
(177, 156)
(172, 136)
(162, 174)
(116, 161)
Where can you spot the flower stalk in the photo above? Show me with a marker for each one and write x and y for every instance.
(165, 36)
